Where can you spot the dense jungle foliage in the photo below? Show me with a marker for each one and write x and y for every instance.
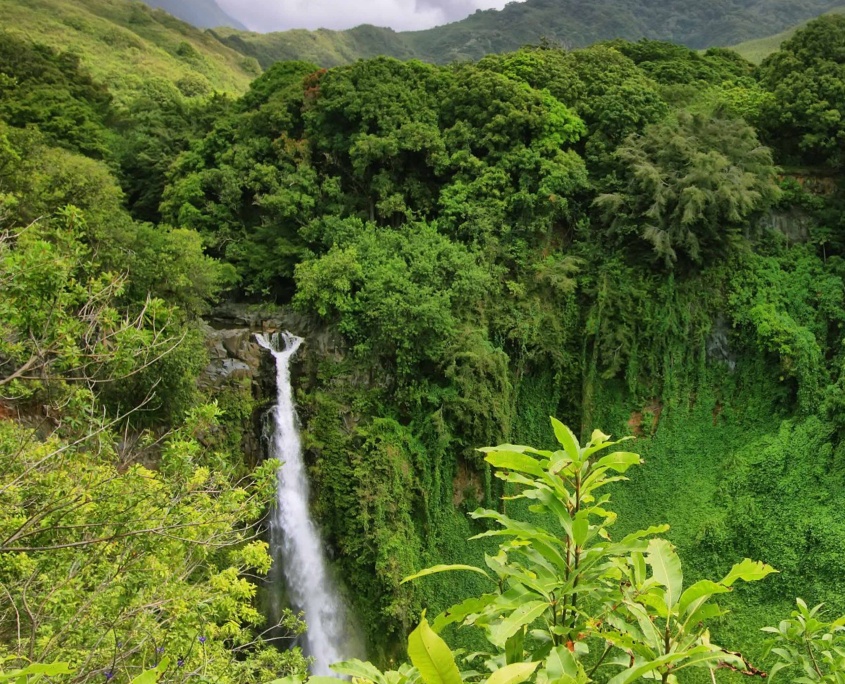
(631, 236)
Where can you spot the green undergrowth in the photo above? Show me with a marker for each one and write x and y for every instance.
(735, 476)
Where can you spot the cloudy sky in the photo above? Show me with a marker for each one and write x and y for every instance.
(402, 15)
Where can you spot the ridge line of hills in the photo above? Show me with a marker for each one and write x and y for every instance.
(199, 13)
(571, 23)
(127, 43)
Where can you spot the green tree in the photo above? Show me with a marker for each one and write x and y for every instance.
(689, 187)
(117, 545)
(396, 294)
(156, 126)
(41, 86)
(113, 567)
(807, 79)
(602, 85)
(249, 187)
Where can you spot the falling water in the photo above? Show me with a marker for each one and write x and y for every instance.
(292, 530)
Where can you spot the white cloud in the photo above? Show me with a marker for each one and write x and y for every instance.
(402, 15)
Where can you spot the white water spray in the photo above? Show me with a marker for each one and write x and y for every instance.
(304, 564)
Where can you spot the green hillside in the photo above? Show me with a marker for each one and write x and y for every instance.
(127, 44)
(323, 47)
(571, 23)
(758, 49)
(200, 13)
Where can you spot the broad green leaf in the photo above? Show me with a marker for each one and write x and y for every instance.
(432, 657)
(566, 438)
(708, 657)
(360, 670)
(460, 611)
(619, 461)
(777, 667)
(707, 611)
(634, 541)
(640, 669)
(551, 502)
(656, 599)
(666, 569)
(651, 635)
(561, 663)
(580, 528)
(638, 563)
(512, 674)
(152, 676)
(325, 680)
(515, 647)
(519, 448)
(599, 479)
(628, 642)
(560, 464)
(523, 615)
(511, 460)
(748, 571)
(601, 446)
(445, 568)
(698, 593)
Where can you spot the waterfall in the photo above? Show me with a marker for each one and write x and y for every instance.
(293, 533)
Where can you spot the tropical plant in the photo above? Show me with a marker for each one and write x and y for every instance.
(807, 644)
(573, 587)
(568, 603)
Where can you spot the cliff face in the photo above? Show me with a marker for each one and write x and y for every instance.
(237, 362)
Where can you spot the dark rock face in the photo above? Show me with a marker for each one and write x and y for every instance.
(236, 358)
(234, 353)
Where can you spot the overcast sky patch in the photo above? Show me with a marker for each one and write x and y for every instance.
(401, 15)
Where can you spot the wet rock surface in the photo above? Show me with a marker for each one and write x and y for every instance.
(234, 354)
(237, 362)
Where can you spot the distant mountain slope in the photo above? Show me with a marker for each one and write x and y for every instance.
(199, 13)
(126, 44)
(757, 50)
(576, 23)
(324, 47)
(573, 23)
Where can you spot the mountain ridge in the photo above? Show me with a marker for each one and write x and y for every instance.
(572, 23)
(200, 13)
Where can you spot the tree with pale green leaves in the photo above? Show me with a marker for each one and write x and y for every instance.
(689, 187)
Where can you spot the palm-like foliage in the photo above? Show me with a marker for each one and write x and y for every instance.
(690, 184)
